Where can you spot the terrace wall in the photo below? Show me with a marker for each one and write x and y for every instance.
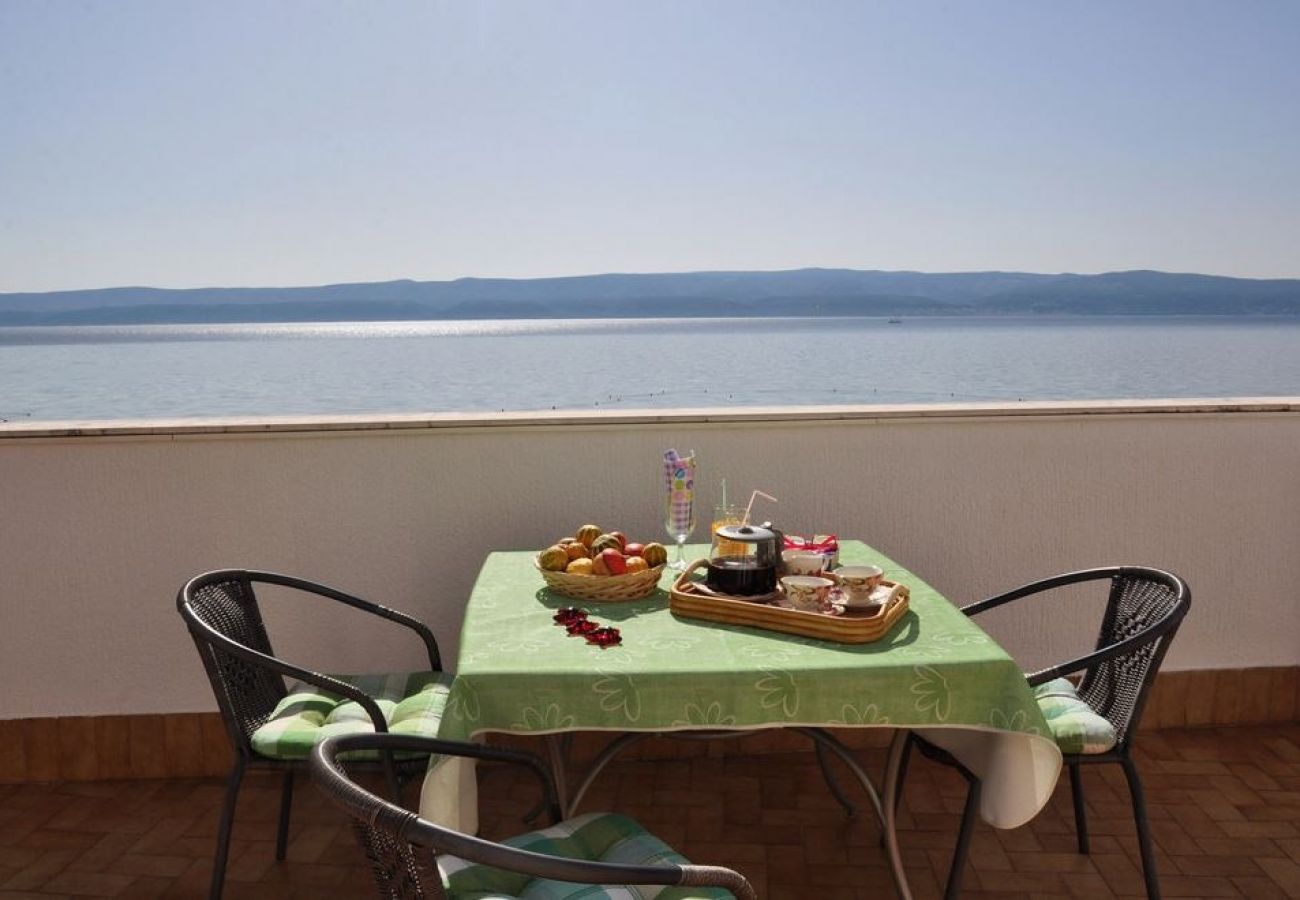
(101, 524)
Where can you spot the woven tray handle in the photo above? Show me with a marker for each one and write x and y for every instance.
(899, 594)
(685, 579)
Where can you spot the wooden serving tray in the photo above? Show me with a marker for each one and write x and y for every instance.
(853, 627)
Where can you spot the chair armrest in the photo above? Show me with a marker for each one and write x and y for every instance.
(560, 868)
(1099, 655)
(1039, 587)
(325, 753)
(262, 660)
(410, 828)
(1088, 660)
(384, 612)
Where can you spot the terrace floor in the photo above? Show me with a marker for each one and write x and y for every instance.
(1225, 809)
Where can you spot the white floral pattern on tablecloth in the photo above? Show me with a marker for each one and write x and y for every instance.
(518, 671)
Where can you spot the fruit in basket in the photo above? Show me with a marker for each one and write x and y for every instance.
(622, 540)
(609, 562)
(635, 564)
(553, 559)
(576, 550)
(655, 554)
(580, 566)
(588, 534)
(606, 542)
(633, 549)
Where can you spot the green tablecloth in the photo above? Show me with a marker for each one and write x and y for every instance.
(518, 672)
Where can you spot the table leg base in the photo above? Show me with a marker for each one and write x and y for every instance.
(893, 783)
(822, 739)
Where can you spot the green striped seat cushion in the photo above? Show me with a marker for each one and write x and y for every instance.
(1075, 727)
(412, 703)
(598, 837)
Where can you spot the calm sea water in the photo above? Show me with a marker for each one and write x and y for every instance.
(154, 371)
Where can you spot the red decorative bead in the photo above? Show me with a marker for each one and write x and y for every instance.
(582, 626)
(605, 637)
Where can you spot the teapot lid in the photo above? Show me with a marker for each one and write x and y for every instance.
(747, 534)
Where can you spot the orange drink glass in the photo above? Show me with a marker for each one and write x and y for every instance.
(722, 517)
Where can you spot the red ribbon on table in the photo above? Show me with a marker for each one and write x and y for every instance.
(821, 543)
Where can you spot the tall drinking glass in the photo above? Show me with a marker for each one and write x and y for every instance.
(726, 514)
(679, 502)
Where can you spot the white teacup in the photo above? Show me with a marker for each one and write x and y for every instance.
(803, 562)
(806, 592)
(858, 582)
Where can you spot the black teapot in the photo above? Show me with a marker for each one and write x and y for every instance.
(743, 560)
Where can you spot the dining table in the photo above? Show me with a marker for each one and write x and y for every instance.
(935, 673)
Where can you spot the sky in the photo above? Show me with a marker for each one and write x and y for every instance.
(298, 143)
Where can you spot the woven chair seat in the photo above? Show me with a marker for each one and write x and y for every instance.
(412, 703)
(596, 837)
(1074, 725)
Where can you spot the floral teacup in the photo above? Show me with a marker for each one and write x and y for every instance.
(858, 582)
(803, 562)
(806, 592)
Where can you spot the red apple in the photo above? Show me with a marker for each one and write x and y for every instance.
(622, 538)
(613, 561)
(633, 549)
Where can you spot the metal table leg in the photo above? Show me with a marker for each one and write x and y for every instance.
(557, 748)
(893, 779)
(612, 749)
(824, 741)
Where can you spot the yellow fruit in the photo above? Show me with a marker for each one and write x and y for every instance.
(576, 550)
(553, 559)
(580, 566)
(655, 554)
(636, 564)
(599, 567)
(588, 534)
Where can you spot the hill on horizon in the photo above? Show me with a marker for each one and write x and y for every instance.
(797, 292)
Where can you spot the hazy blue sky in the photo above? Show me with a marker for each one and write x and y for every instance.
(273, 143)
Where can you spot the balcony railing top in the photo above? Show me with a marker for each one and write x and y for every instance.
(560, 418)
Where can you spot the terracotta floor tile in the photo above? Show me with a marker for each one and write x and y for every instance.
(144, 866)
(88, 884)
(1259, 888)
(1285, 873)
(1224, 806)
(45, 867)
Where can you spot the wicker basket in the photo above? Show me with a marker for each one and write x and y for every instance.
(603, 588)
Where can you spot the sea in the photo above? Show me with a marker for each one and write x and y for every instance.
(99, 372)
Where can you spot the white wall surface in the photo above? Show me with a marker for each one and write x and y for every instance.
(99, 526)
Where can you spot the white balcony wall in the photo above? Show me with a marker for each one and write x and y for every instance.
(101, 525)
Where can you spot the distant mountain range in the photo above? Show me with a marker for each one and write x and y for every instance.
(801, 292)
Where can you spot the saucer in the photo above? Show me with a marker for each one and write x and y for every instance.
(874, 599)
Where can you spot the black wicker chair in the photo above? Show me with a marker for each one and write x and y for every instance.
(221, 611)
(1143, 612)
(403, 848)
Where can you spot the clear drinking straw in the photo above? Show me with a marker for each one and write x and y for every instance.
(750, 505)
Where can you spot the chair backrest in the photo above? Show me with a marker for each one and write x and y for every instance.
(223, 604)
(1144, 602)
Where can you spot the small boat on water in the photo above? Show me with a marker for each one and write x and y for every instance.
(895, 321)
